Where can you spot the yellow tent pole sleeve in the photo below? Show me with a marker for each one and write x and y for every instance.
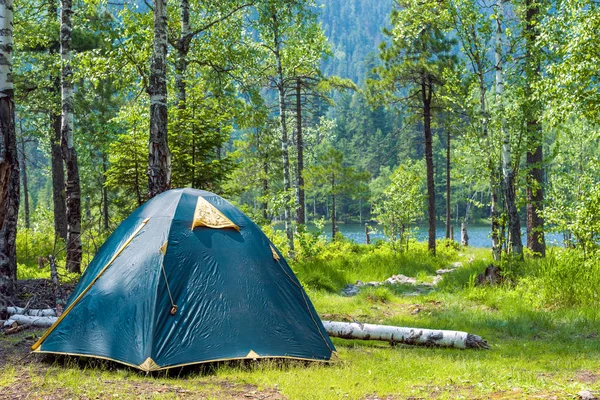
(41, 340)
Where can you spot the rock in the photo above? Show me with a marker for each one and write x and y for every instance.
(457, 264)
(350, 290)
(586, 395)
(401, 280)
(443, 271)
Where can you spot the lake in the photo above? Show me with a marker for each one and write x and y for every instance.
(479, 235)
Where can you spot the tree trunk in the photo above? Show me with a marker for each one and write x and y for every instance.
(464, 236)
(535, 191)
(39, 322)
(159, 157)
(183, 47)
(9, 161)
(333, 230)
(496, 246)
(448, 184)
(265, 182)
(105, 216)
(508, 184)
(300, 199)
(284, 136)
(44, 312)
(535, 198)
(411, 336)
(59, 200)
(73, 190)
(491, 163)
(426, 91)
(137, 166)
(24, 180)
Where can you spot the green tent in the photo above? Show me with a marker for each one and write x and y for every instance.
(188, 278)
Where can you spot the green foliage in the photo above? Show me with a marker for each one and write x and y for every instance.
(402, 202)
(342, 261)
(38, 241)
(564, 278)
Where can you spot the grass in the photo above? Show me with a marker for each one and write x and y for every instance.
(540, 348)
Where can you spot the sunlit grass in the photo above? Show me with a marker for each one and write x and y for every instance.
(538, 348)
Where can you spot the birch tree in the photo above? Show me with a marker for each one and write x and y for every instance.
(73, 187)
(279, 23)
(508, 171)
(474, 31)
(9, 163)
(159, 157)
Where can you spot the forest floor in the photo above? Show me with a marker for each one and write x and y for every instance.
(542, 353)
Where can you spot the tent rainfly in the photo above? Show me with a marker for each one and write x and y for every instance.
(187, 278)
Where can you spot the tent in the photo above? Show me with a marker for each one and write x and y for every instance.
(187, 278)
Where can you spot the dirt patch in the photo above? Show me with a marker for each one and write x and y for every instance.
(587, 377)
(23, 388)
(35, 378)
(14, 349)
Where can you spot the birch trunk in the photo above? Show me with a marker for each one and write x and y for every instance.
(412, 336)
(534, 159)
(9, 162)
(44, 312)
(40, 322)
(284, 134)
(508, 183)
(73, 189)
(159, 157)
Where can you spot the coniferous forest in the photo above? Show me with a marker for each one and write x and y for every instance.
(405, 118)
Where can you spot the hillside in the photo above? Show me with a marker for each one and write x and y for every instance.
(354, 28)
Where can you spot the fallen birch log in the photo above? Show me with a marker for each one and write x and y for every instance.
(40, 322)
(46, 312)
(413, 336)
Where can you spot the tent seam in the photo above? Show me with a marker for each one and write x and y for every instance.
(153, 318)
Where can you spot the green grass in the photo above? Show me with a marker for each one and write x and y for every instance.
(542, 345)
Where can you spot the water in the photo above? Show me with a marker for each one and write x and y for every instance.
(479, 235)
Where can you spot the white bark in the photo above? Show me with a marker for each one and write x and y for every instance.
(6, 47)
(499, 34)
(514, 224)
(66, 28)
(39, 322)
(412, 336)
(47, 312)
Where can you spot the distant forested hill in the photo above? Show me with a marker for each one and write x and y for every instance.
(354, 30)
